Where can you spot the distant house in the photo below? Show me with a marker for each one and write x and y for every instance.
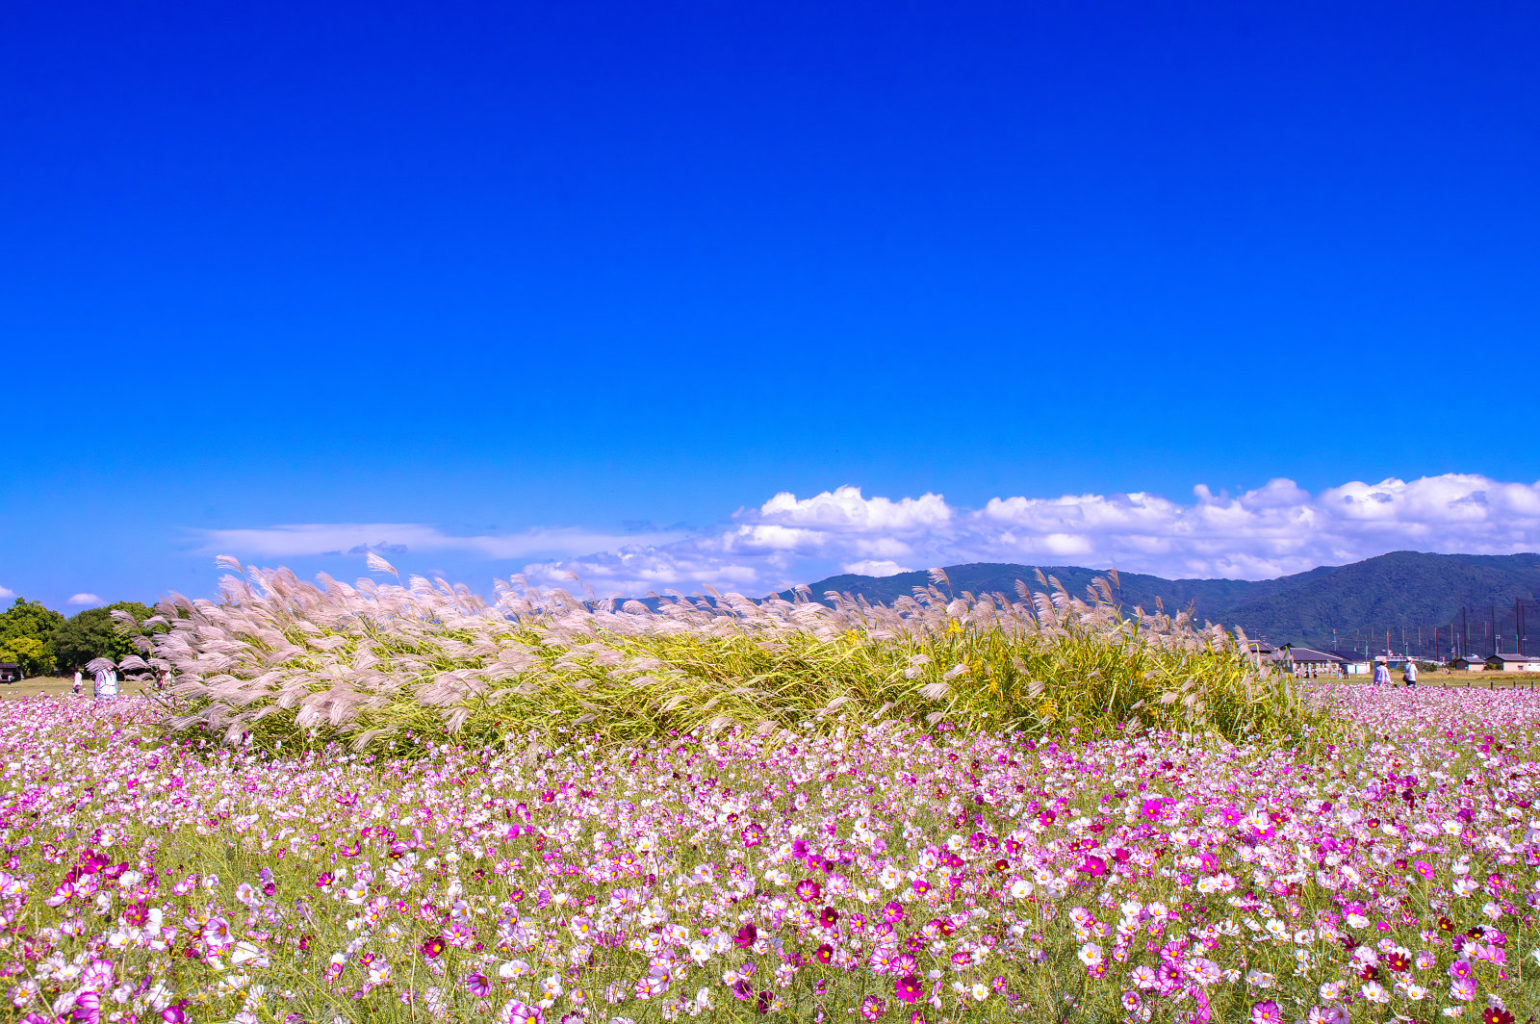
(1353, 663)
(1513, 663)
(1261, 651)
(10, 672)
(1467, 665)
(1305, 660)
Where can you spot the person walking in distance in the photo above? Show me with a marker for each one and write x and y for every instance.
(1410, 673)
(1381, 673)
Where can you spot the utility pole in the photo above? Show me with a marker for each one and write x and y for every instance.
(1464, 633)
(1497, 641)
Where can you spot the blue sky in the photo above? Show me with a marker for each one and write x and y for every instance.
(584, 287)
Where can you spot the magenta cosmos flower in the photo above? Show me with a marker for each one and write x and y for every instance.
(908, 989)
(1266, 1012)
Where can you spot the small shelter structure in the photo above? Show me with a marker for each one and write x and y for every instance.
(10, 672)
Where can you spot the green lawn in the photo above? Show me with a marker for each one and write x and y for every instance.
(59, 686)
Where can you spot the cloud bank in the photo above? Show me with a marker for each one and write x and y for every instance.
(81, 600)
(303, 540)
(1271, 531)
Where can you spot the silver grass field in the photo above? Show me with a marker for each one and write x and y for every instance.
(279, 660)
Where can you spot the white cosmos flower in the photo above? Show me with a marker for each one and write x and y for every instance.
(246, 952)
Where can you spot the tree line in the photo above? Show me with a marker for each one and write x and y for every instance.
(42, 641)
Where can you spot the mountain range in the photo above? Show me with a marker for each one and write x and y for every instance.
(1344, 607)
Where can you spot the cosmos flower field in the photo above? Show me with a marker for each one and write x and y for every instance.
(392, 804)
(873, 873)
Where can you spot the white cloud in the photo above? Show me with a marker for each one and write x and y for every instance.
(85, 599)
(636, 570)
(871, 568)
(7, 592)
(844, 510)
(1276, 529)
(298, 540)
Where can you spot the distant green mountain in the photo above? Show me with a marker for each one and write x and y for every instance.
(1401, 589)
(1404, 589)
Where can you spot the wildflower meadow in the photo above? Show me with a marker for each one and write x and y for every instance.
(380, 803)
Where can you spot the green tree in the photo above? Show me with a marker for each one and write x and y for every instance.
(94, 633)
(26, 636)
(28, 652)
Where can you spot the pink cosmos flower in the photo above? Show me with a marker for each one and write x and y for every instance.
(515, 1012)
(1328, 1015)
(217, 934)
(1266, 1012)
(908, 988)
(873, 1007)
(87, 1008)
